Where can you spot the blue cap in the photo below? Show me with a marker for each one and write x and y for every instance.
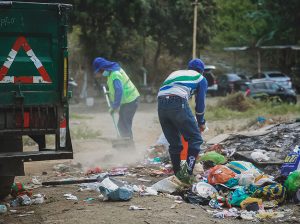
(103, 64)
(196, 64)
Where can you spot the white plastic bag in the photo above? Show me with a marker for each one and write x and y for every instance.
(260, 155)
(167, 185)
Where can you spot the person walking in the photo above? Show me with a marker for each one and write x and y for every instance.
(177, 119)
(122, 93)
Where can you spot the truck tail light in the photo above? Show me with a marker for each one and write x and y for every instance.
(63, 132)
(23, 120)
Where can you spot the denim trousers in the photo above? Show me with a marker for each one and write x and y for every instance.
(176, 119)
(126, 115)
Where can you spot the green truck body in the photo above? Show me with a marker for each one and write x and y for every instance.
(33, 83)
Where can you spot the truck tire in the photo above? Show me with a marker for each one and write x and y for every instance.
(10, 169)
(5, 185)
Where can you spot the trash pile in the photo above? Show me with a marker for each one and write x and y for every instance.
(227, 182)
(270, 144)
(239, 189)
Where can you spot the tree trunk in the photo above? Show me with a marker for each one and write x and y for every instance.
(155, 62)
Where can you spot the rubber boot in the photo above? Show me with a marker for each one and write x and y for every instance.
(191, 161)
(175, 159)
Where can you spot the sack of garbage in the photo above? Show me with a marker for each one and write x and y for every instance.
(270, 192)
(291, 162)
(113, 192)
(242, 166)
(292, 183)
(213, 156)
(120, 194)
(220, 174)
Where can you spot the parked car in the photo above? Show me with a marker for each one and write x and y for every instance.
(267, 89)
(226, 83)
(212, 88)
(276, 76)
(244, 77)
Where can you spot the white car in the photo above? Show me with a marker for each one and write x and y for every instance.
(275, 76)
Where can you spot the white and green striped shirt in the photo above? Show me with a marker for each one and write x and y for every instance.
(182, 83)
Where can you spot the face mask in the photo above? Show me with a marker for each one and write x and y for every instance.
(106, 73)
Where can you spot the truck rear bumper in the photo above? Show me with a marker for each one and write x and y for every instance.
(36, 156)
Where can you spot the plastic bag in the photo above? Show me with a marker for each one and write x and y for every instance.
(232, 182)
(196, 199)
(270, 192)
(168, 185)
(205, 190)
(263, 179)
(260, 155)
(291, 162)
(220, 174)
(120, 194)
(292, 183)
(239, 195)
(246, 179)
(213, 156)
(241, 166)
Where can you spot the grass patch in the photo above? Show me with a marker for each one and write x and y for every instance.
(79, 116)
(237, 106)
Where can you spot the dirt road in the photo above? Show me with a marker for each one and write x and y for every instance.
(97, 151)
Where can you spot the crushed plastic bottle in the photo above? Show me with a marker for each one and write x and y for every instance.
(25, 200)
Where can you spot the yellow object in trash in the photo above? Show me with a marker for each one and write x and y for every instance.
(250, 200)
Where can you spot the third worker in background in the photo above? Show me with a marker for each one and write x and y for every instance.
(176, 117)
(122, 93)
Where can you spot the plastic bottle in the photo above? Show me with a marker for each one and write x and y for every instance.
(25, 200)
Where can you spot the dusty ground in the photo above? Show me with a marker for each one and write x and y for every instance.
(98, 152)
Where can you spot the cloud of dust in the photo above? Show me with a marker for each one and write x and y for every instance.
(103, 155)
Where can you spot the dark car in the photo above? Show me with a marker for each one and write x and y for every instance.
(212, 88)
(226, 83)
(268, 90)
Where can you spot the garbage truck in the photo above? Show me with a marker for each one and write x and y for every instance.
(33, 86)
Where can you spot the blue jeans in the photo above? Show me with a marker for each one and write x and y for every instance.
(126, 114)
(176, 119)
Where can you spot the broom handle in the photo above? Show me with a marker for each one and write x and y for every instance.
(109, 106)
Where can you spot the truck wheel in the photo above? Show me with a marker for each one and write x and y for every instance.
(5, 185)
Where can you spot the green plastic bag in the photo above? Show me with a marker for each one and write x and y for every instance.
(240, 194)
(292, 183)
(213, 156)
